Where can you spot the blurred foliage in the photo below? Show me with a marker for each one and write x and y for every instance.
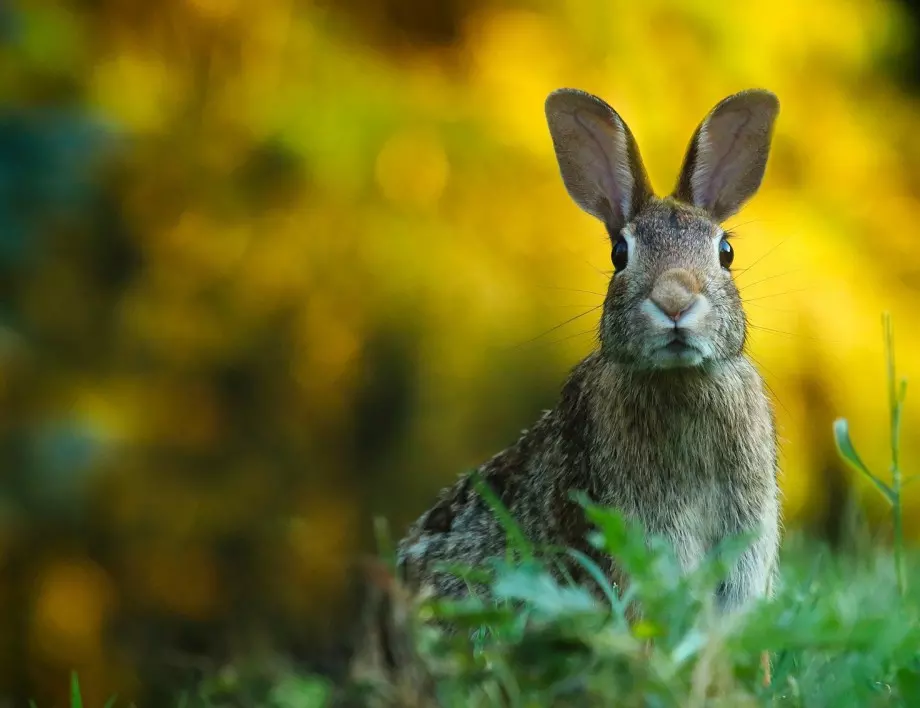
(270, 268)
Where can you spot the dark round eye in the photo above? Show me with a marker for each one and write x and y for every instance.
(726, 254)
(620, 255)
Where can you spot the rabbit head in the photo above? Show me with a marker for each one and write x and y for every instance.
(672, 301)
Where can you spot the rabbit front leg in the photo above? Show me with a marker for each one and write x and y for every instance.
(752, 574)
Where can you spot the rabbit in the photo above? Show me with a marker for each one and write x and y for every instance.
(667, 420)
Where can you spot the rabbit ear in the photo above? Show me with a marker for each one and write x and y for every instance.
(597, 156)
(728, 153)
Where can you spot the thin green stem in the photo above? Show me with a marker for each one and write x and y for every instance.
(895, 399)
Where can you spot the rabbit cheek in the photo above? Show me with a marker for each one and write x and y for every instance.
(618, 326)
(731, 328)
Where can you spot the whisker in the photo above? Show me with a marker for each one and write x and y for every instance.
(562, 324)
(767, 383)
(769, 277)
(573, 290)
(551, 342)
(593, 330)
(576, 304)
(764, 297)
(731, 229)
(597, 270)
(771, 331)
(771, 309)
(793, 335)
(745, 270)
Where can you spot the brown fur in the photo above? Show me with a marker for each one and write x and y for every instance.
(669, 425)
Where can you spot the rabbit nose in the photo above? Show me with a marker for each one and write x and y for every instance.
(675, 292)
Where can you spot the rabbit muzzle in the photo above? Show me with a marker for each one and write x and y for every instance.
(676, 294)
(675, 309)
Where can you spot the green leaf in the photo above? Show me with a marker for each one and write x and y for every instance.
(729, 550)
(598, 576)
(689, 646)
(641, 555)
(848, 453)
(111, 702)
(467, 573)
(302, 692)
(902, 391)
(469, 612)
(541, 591)
(516, 538)
(909, 686)
(76, 700)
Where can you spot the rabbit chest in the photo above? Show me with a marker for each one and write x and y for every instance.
(692, 457)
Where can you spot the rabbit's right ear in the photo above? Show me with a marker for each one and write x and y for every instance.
(597, 156)
(728, 153)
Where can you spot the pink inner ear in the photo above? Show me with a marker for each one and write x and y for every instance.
(597, 156)
(602, 153)
(611, 163)
(727, 148)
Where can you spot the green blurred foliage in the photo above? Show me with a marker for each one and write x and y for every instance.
(268, 269)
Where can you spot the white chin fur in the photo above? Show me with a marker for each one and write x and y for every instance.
(663, 359)
(700, 348)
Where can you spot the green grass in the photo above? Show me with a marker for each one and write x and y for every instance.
(76, 696)
(842, 630)
(893, 492)
(839, 631)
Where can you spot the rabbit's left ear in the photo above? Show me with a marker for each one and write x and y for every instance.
(725, 162)
(598, 157)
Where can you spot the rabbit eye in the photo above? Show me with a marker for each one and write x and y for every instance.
(620, 255)
(726, 254)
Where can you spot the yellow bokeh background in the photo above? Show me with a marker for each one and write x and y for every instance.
(340, 267)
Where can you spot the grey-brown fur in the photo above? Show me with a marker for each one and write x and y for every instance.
(668, 423)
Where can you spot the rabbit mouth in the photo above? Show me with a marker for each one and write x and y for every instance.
(677, 352)
(678, 346)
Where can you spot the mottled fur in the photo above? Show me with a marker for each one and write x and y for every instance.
(667, 422)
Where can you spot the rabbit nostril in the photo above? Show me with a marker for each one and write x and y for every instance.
(676, 291)
(671, 310)
(674, 310)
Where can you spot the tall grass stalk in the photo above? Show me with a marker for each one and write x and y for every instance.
(893, 493)
(897, 390)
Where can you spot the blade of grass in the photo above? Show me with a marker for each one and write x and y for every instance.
(598, 576)
(385, 547)
(76, 700)
(896, 394)
(516, 538)
(848, 453)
